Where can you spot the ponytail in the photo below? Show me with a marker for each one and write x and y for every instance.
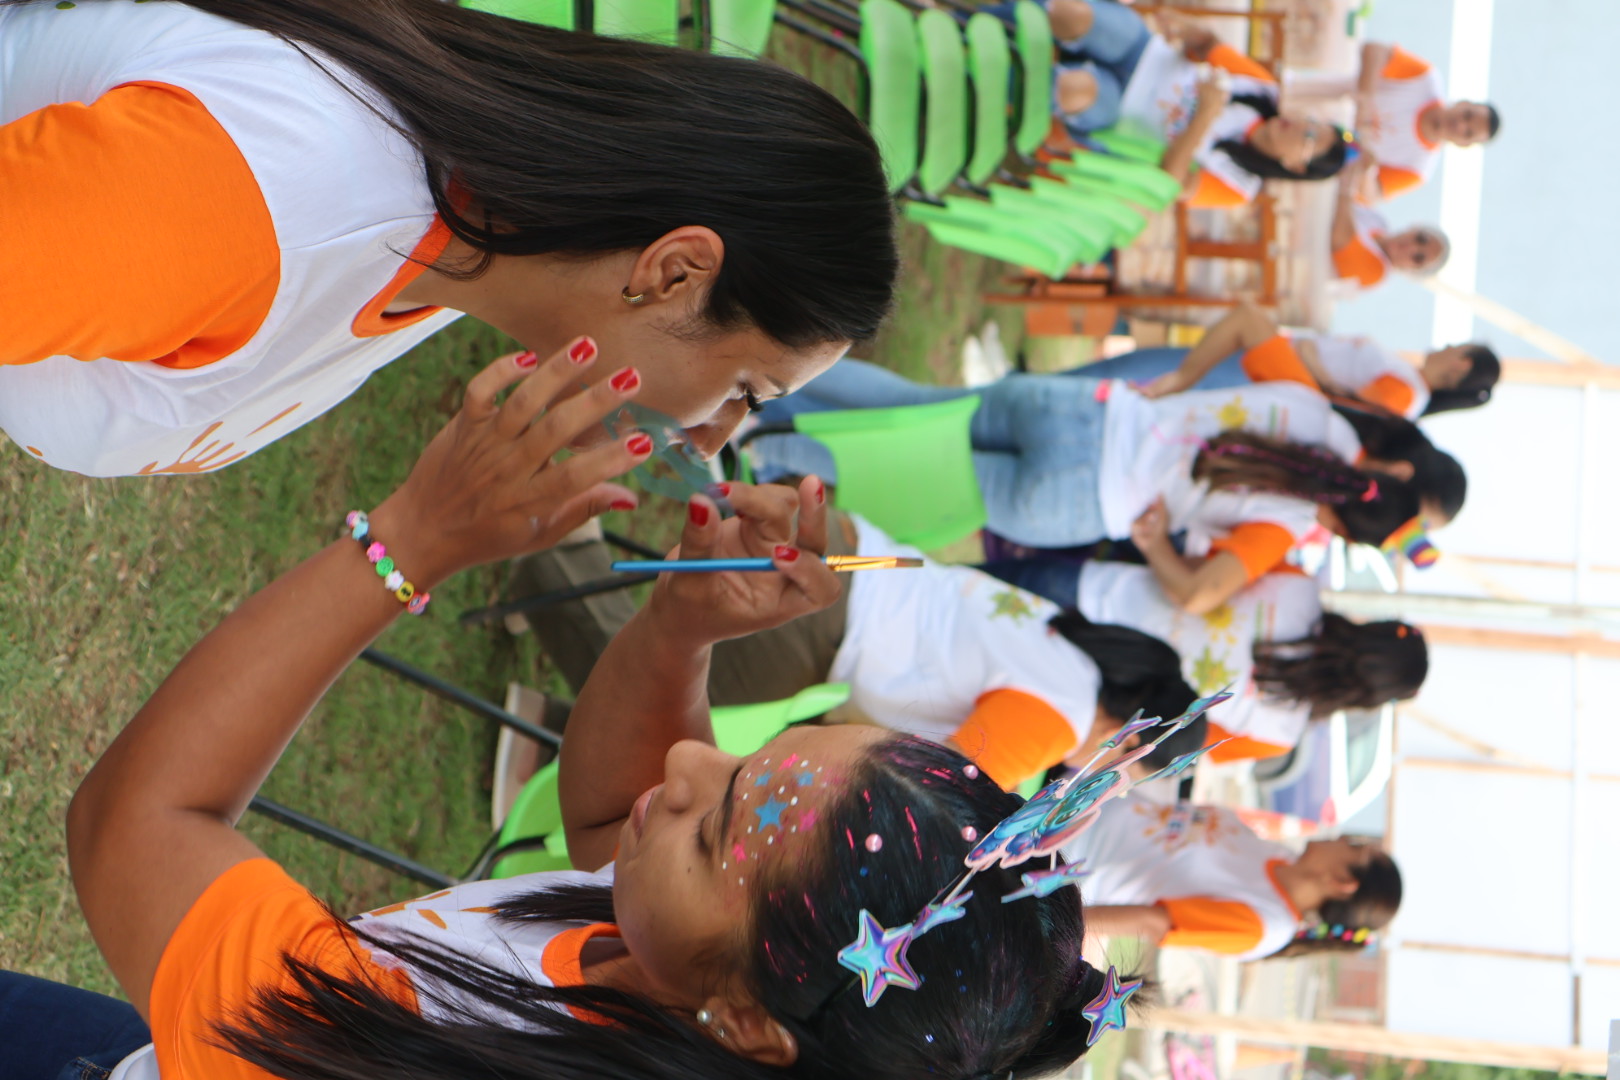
(1139, 673)
(1246, 156)
(1344, 665)
(1347, 925)
(1435, 474)
(1475, 388)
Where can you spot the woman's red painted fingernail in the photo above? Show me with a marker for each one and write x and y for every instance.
(622, 504)
(626, 380)
(697, 513)
(639, 444)
(821, 491)
(582, 350)
(785, 553)
(526, 359)
(724, 489)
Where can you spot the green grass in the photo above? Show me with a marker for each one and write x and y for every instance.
(104, 584)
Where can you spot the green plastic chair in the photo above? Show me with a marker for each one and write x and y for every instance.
(1049, 254)
(1133, 145)
(739, 27)
(1092, 236)
(1032, 32)
(1124, 220)
(1136, 181)
(655, 21)
(945, 87)
(990, 64)
(558, 13)
(888, 44)
(738, 730)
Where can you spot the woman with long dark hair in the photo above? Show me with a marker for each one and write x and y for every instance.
(1222, 142)
(219, 217)
(720, 920)
(1245, 474)
(1285, 659)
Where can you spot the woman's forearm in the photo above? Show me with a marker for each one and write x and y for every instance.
(1179, 155)
(1127, 920)
(1197, 586)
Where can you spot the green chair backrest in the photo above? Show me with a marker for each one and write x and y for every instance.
(738, 730)
(1033, 33)
(1134, 180)
(558, 13)
(740, 27)
(990, 65)
(909, 469)
(1137, 145)
(894, 72)
(655, 21)
(1045, 253)
(945, 89)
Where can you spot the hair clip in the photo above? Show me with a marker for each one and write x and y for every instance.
(1412, 540)
(1372, 491)
(1106, 1012)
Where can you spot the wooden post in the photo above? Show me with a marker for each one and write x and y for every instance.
(1367, 1038)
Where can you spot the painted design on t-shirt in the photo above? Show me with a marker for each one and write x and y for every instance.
(1233, 414)
(1012, 604)
(1210, 673)
(1175, 827)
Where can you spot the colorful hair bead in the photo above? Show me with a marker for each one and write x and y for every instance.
(393, 581)
(375, 551)
(385, 566)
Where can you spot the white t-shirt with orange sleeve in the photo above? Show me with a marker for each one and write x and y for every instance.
(1149, 447)
(1373, 373)
(1217, 649)
(949, 652)
(232, 941)
(1362, 263)
(203, 230)
(1202, 864)
(1388, 125)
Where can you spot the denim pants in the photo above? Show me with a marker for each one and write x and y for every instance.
(49, 1031)
(1110, 51)
(1037, 443)
(1145, 364)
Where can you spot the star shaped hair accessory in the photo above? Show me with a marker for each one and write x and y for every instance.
(1039, 883)
(878, 956)
(1106, 1012)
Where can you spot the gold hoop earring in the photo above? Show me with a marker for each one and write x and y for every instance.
(624, 294)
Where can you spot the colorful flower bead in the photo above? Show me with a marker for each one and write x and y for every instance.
(354, 517)
(404, 593)
(376, 551)
(393, 581)
(417, 603)
(385, 566)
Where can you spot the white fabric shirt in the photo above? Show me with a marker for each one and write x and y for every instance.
(1356, 362)
(1160, 100)
(1149, 447)
(460, 920)
(922, 646)
(1217, 649)
(347, 197)
(1388, 127)
(1143, 852)
(1369, 225)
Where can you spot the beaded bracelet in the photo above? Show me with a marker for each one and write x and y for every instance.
(394, 581)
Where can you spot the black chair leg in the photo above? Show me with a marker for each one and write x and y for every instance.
(329, 834)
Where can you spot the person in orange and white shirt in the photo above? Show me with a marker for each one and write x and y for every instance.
(1213, 107)
(219, 219)
(1403, 121)
(1365, 250)
(1197, 877)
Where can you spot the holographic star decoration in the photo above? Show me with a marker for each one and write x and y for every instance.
(1041, 883)
(1185, 761)
(1107, 1010)
(878, 956)
(940, 913)
(770, 812)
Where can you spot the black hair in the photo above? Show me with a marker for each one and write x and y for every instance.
(1493, 121)
(1344, 665)
(1139, 673)
(1371, 506)
(1376, 900)
(536, 140)
(1475, 388)
(1384, 435)
(1251, 159)
(1001, 994)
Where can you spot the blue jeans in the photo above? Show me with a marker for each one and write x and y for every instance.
(1145, 364)
(53, 1032)
(1037, 442)
(1056, 579)
(1110, 51)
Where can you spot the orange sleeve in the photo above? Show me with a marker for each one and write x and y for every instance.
(134, 229)
(1240, 748)
(1390, 391)
(1224, 56)
(1259, 545)
(1358, 262)
(1013, 736)
(1403, 65)
(231, 944)
(1392, 180)
(1223, 926)
(1276, 360)
(1210, 192)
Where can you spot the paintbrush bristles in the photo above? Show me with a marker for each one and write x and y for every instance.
(871, 562)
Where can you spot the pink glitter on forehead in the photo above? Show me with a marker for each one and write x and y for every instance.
(738, 853)
(787, 762)
(807, 819)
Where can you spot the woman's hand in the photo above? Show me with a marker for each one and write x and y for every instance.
(1214, 93)
(1151, 530)
(489, 487)
(773, 521)
(1171, 382)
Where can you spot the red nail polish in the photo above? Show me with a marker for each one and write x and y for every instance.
(821, 491)
(582, 350)
(526, 359)
(626, 380)
(785, 553)
(639, 444)
(621, 504)
(724, 489)
(697, 513)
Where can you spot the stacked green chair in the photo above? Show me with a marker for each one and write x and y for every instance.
(559, 13)
(738, 27)
(947, 119)
(1032, 32)
(893, 65)
(990, 66)
(654, 21)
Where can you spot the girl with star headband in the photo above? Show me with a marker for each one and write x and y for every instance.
(700, 938)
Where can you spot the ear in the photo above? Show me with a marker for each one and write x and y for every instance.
(752, 1033)
(677, 266)
(1401, 470)
(1343, 884)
